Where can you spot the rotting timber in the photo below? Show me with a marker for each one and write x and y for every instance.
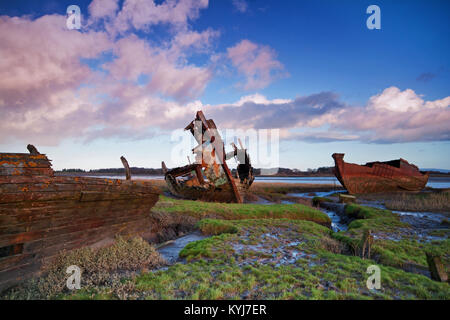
(42, 214)
(209, 178)
(373, 177)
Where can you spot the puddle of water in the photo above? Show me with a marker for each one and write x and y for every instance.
(267, 202)
(424, 215)
(171, 251)
(314, 194)
(336, 223)
(422, 222)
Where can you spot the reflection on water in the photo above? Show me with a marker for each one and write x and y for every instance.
(311, 180)
(311, 195)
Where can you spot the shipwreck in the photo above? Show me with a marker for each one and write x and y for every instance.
(209, 178)
(373, 177)
(42, 214)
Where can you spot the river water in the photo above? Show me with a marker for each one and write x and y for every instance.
(433, 182)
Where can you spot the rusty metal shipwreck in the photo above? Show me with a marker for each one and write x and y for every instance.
(373, 177)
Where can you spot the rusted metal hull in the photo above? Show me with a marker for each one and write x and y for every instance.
(374, 177)
(42, 214)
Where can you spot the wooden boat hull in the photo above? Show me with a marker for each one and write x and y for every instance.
(377, 177)
(209, 193)
(42, 214)
(210, 179)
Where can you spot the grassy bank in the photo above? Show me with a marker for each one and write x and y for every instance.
(390, 247)
(254, 252)
(234, 211)
(250, 263)
(430, 201)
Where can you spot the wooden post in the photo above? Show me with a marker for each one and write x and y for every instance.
(367, 241)
(164, 168)
(32, 149)
(127, 167)
(436, 267)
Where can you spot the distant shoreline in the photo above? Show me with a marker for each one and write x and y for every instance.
(305, 175)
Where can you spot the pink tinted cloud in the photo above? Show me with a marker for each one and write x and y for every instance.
(167, 75)
(398, 116)
(392, 116)
(257, 63)
(40, 71)
(47, 94)
(101, 9)
(142, 14)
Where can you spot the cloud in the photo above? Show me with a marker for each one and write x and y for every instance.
(102, 9)
(255, 111)
(398, 116)
(48, 92)
(240, 5)
(40, 74)
(143, 14)
(257, 63)
(388, 117)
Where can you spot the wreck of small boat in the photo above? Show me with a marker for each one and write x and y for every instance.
(373, 177)
(209, 178)
(42, 214)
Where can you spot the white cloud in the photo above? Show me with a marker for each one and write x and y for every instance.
(257, 63)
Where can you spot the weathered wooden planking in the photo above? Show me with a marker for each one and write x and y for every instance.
(23, 164)
(19, 171)
(68, 195)
(55, 187)
(73, 211)
(93, 214)
(41, 214)
(71, 225)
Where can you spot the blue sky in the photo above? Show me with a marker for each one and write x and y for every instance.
(303, 48)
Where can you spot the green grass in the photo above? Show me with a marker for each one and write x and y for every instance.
(234, 211)
(215, 271)
(215, 227)
(397, 253)
(241, 259)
